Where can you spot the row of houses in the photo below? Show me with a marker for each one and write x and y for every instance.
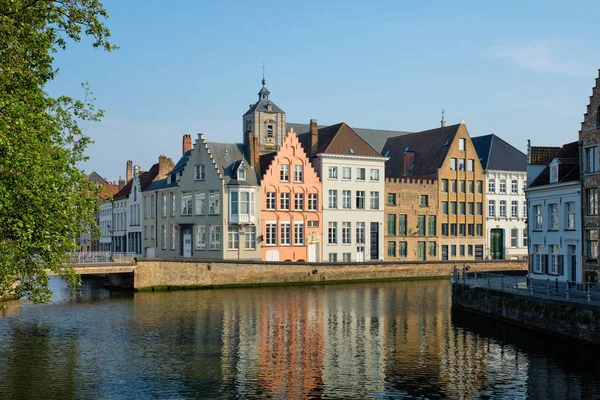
(306, 192)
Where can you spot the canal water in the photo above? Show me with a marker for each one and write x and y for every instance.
(368, 340)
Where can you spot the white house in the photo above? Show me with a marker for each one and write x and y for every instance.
(505, 170)
(105, 218)
(554, 223)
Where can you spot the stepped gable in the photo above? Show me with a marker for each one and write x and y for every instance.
(227, 158)
(338, 139)
(568, 169)
(429, 148)
(591, 118)
(496, 154)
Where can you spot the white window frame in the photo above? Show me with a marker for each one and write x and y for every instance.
(298, 173)
(313, 202)
(199, 172)
(347, 199)
(271, 233)
(299, 233)
(346, 173)
(332, 172)
(270, 200)
(332, 233)
(333, 198)
(284, 172)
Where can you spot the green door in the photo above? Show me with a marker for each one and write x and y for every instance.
(421, 251)
(497, 244)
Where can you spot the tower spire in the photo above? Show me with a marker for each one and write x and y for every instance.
(443, 121)
(264, 82)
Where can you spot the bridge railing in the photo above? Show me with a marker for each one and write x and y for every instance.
(81, 258)
(525, 285)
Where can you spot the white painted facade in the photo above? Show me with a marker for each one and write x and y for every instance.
(506, 213)
(352, 232)
(119, 231)
(134, 205)
(105, 219)
(555, 242)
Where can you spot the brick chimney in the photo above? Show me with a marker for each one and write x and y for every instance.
(165, 165)
(121, 182)
(251, 143)
(129, 171)
(187, 143)
(314, 138)
(409, 157)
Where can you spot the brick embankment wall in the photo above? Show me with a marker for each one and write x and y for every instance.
(172, 274)
(569, 320)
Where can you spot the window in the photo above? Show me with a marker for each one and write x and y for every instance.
(332, 198)
(461, 186)
(312, 202)
(391, 224)
(145, 232)
(270, 200)
(444, 229)
(298, 233)
(199, 172)
(514, 209)
(492, 186)
(471, 208)
(570, 209)
(200, 237)
(470, 165)
(186, 203)
(298, 173)
(346, 173)
(431, 222)
(461, 208)
(503, 208)
(284, 201)
(453, 207)
(214, 206)
(461, 229)
(391, 199)
(164, 204)
(462, 250)
(461, 144)
(479, 186)
(470, 229)
(346, 199)
(554, 259)
(241, 174)
(461, 164)
(453, 250)
(347, 257)
(445, 207)
(525, 209)
(402, 249)
(453, 164)
(538, 259)
(284, 173)
(424, 200)
(391, 249)
(592, 244)
(173, 237)
(269, 131)
(360, 232)
(479, 208)
(346, 226)
(271, 233)
(592, 202)
(299, 201)
(200, 199)
(233, 238)
(313, 224)
(431, 249)
(471, 187)
(514, 237)
(333, 173)
(502, 186)
(250, 237)
(514, 186)
(453, 186)
(146, 207)
(215, 237)
(374, 174)
(491, 208)
(285, 233)
(234, 203)
(163, 237)
(591, 159)
(360, 174)
(470, 250)
(553, 216)
(479, 231)
(374, 200)
(525, 237)
(332, 233)
(421, 225)
(402, 225)
(445, 185)
(332, 257)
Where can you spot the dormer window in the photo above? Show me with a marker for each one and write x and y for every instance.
(242, 174)
(264, 96)
(554, 171)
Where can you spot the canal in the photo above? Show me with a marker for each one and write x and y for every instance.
(368, 340)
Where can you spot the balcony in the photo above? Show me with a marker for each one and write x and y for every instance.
(241, 219)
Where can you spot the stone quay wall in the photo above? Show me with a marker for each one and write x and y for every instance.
(167, 274)
(574, 321)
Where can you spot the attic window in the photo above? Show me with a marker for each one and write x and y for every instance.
(351, 150)
(242, 174)
(407, 148)
(447, 142)
(387, 153)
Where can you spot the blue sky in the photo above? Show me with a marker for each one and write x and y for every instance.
(517, 69)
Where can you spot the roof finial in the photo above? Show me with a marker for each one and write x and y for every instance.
(264, 82)
(443, 121)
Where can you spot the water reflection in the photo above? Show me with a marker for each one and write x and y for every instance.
(375, 340)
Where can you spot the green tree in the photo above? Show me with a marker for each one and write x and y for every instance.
(45, 199)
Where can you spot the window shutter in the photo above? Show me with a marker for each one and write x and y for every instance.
(561, 265)
(544, 263)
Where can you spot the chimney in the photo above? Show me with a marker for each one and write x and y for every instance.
(121, 182)
(165, 165)
(529, 151)
(129, 171)
(314, 138)
(187, 143)
(256, 154)
(409, 157)
(251, 143)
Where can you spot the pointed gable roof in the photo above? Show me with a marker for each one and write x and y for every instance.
(430, 149)
(339, 139)
(228, 157)
(496, 154)
(96, 178)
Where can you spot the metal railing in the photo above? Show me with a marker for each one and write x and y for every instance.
(587, 293)
(82, 258)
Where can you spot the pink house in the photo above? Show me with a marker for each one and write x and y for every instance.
(291, 209)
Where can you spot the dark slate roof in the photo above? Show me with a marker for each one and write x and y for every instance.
(541, 155)
(568, 169)
(376, 138)
(124, 192)
(228, 157)
(429, 147)
(339, 139)
(262, 104)
(265, 162)
(161, 184)
(496, 154)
